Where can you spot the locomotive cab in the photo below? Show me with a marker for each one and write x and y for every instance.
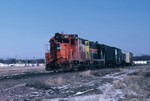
(62, 51)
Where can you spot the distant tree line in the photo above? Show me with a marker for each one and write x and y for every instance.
(38, 61)
(143, 57)
(13, 61)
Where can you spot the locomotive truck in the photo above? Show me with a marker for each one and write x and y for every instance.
(70, 52)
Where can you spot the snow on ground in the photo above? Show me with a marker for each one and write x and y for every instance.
(119, 84)
(109, 93)
(20, 65)
(3, 65)
(17, 70)
(120, 75)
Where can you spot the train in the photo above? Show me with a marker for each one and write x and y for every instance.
(70, 52)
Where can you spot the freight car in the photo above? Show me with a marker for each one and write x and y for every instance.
(128, 58)
(69, 52)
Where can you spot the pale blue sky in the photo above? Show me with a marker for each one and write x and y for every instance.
(27, 25)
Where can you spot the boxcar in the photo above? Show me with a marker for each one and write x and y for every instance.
(128, 58)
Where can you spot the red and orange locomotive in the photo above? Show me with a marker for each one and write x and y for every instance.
(69, 52)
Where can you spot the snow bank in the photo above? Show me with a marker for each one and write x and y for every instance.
(3, 65)
(140, 62)
(21, 65)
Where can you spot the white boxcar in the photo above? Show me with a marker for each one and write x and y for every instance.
(128, 58)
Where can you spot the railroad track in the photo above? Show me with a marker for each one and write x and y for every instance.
(22, 75)
(34, 74)
(31, 74)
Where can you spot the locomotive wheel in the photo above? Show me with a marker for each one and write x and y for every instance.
(81, 67)
(72, 66)
(47, 69)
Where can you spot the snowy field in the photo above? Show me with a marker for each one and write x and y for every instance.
(112, 84)
(113, 91)
(20, 65)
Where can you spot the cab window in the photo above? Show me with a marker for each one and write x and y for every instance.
(65, 41)
(72, 42)
(52, 41)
